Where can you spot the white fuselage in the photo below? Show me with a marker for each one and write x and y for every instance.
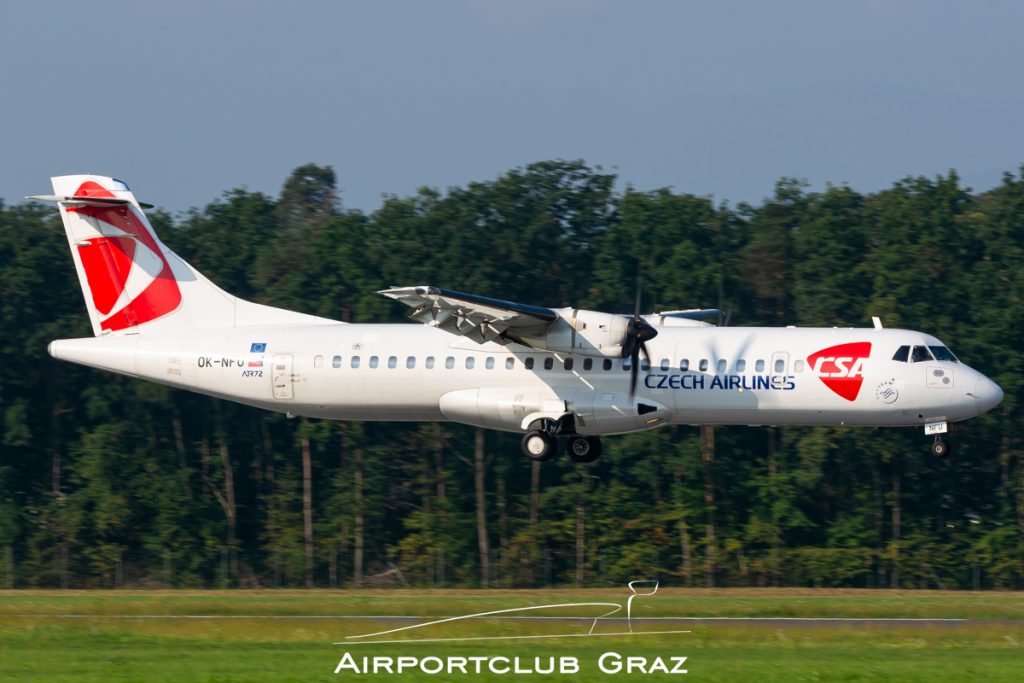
(697, 375)
(157, 318)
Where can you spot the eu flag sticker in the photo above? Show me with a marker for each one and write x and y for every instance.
(258, 347)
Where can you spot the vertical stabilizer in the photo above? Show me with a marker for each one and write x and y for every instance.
(131, 281)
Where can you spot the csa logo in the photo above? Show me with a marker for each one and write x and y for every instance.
(841, 367)
(130, 280)
(886, 392)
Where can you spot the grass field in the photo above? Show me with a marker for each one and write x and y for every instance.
(288, 635)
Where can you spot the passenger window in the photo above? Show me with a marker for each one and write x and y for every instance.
(392, 362)
(470, 362)
(665, 362)
(645, 364)
(684, 365)
(549, 363)
(703, 365)
(627, 364)
(489, 363)
(528, 362)
(336, 362)
(741, 365)
(902, 354)
(373, 361)
(759, 366)
(410, 362)
(607, 364)
(920, 354)
(567, 364)
(510, 363)
(798, 366)
(588, 364)
(430, 363)
(355, 361)
(449, 362)
(720, 366)
(780, 366)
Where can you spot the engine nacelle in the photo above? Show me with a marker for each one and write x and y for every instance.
(593, 333)
(587, 333)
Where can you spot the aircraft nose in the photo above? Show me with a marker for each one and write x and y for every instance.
(987, 394)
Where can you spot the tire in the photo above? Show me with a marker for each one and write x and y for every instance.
(539, 446)
(940, 448)
(583, 449)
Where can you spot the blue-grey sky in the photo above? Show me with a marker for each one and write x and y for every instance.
(185, 99)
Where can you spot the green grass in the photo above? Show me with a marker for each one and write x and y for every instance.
(108, 643)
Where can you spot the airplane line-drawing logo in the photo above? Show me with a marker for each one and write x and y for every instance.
(841, 367)
(637, 589)
(125, 267)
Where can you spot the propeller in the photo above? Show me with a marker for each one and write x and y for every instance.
(638, 333)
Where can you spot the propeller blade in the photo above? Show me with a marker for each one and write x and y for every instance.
(628, 342)
(634, 369)
(639, 348)
(638, 333)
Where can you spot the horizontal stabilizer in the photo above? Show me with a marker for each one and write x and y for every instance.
(692, 314)
(85, 200)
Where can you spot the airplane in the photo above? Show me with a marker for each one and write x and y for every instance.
(554, 375)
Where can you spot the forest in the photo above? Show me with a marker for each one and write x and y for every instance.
(106, 481)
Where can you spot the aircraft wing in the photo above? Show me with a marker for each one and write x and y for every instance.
(480, 318)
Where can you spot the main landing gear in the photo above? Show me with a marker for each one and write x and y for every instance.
(541, 442)
(539, 446)
(583, 448)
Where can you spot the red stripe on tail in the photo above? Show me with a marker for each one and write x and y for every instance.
(107, 262)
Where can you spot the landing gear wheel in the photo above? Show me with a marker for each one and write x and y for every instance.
(940, 448)
(583, 448)
(539, 446)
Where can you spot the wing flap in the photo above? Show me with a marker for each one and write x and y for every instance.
(480, 318)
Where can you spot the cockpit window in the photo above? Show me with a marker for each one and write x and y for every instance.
(920, 354)
(902, 354)
(942, 353)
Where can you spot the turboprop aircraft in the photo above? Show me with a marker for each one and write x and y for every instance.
(549, 373)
